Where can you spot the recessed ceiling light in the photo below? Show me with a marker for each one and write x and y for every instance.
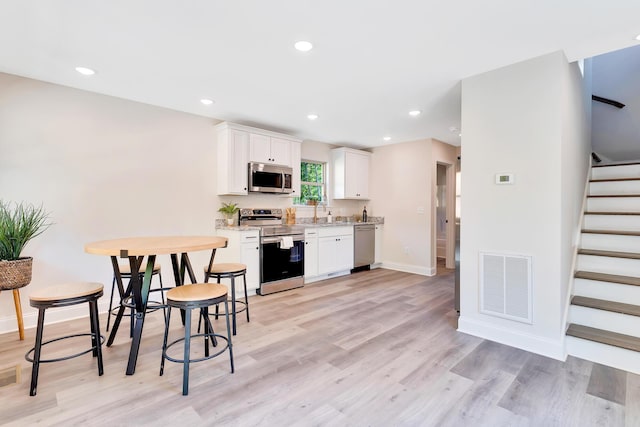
(312, 116)
(303, 46)
(387, 138)
(85, 71)
(206, 101)
(415, 113)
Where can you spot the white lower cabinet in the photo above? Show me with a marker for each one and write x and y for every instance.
(243, 246)
(335, 249)
(310, 252)
(377, 258)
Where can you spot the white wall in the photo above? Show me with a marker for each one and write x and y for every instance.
(401, 184)
(518, 120)
(81, 154)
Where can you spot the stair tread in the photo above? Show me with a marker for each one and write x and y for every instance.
(613, 179)
(605, 337)
(618, 232)
(604, 277)
(600, 304)
(612, 195)
(609, 165)
(611, 213)
(613, 254)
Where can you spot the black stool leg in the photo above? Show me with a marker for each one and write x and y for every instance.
(187, 351)
(218, 305)
(233, 302)
(95, 334)
(113, 288)
(226, 310)
(36, 354)
(246, 296)
(164, 342)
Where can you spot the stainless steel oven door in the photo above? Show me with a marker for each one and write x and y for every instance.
(281, 268)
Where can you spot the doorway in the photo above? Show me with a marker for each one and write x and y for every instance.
(444, 218)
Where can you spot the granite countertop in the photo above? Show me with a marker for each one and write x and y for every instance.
(237, 227)
(377, 220)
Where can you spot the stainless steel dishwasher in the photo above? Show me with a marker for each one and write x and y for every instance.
(364, 245)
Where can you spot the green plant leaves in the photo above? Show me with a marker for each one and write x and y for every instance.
(19, 223)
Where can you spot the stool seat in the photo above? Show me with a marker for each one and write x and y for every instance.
(196, 292)
(125, 269)
(66, 291)
(225, 267)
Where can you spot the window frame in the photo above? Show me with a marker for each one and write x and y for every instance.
(322, 185)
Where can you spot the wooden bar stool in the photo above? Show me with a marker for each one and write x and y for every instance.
(230, 271)
(187, 298)
(62, 296)
(125, 272)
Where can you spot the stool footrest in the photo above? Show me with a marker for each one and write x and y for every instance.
(211, 356)
(28, 358)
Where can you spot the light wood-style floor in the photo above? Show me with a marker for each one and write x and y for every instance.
(376, 348)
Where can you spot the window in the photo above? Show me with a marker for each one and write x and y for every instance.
(312, 182)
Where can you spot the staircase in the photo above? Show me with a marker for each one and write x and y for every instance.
(604, 315)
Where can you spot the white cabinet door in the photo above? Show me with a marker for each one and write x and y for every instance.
(250, 256)
(310, 254)
(357, 175)
(295, 165)
(378, 248)
(233, 158)
(344, 253)
(268, 149)
(350, 173)
(281, 151)
(259, 148)
(326, 255)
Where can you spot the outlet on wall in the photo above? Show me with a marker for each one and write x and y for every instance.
(406, 249)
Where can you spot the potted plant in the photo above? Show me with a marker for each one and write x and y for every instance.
(19, 223)
(229, 210)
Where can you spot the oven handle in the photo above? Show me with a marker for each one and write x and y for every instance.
(277, 239)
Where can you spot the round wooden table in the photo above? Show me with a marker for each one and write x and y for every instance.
(135, 249)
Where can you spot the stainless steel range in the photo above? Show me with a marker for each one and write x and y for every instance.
(281, 250)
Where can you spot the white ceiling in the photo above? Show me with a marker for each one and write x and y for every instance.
(372, 62)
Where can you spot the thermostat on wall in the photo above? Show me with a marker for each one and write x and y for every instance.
(505, 178)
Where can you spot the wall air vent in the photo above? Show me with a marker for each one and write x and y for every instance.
(505, 286)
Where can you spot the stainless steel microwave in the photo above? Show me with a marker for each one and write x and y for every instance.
(267, 178)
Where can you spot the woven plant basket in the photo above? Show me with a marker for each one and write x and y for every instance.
(15, 274)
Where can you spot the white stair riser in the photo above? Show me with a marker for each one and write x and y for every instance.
(609, 265)
(614, 187)
(606, 320)
(604, 354)
(612, 172)
(610, 242)
(612, 222)
(613, 204)
(616, 292)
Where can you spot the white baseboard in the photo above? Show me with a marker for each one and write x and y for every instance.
(532, 343)
(407, 268)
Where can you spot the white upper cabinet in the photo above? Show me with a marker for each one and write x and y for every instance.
(269, 149)
(350, 173)
(233, 149)
(238, 145)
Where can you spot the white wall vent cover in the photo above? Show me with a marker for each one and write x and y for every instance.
(505, 286)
